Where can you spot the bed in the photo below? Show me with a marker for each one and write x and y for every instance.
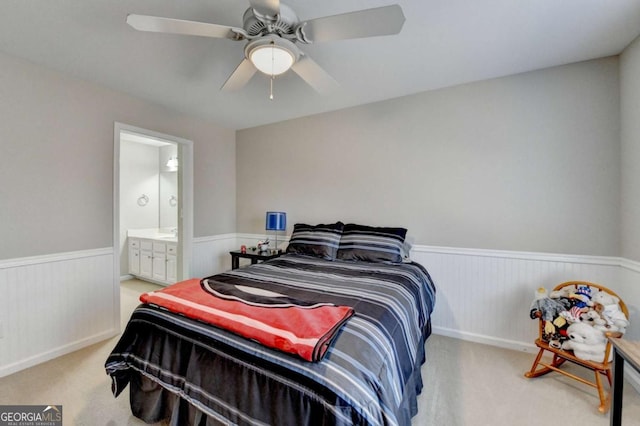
(186, 371)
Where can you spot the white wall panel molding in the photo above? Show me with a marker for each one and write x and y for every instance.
(484, 295)
(252, 239)
(220, 237)
(630, 265)
(56, 257)
(56, 352)
(630, 282)
(62, 302)
(211, 254)
(54, 304)
(550, 257)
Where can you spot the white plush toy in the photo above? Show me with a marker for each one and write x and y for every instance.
(609, 309)
(591, 317)
(572, 315)
(586, 342)
(563, 292)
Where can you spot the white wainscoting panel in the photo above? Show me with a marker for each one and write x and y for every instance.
(211, 254)
(630, 282)
(51, 305)
(485, 295)
(55, 304)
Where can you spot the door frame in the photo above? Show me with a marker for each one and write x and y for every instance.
(185, 204)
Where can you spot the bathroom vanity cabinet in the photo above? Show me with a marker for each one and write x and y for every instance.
(153, 260)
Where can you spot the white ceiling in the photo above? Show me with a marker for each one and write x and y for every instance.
(443, 43)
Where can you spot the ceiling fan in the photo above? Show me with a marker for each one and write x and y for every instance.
(272, 31)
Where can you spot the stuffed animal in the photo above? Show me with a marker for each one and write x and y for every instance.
(572, 315)
(608, 307)
(582, 297)
(555, 343)
(591, 317)
(548, 308)
(601, 324)
(586, 342)
(564, 292)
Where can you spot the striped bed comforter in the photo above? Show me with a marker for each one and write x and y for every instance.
(370, 375)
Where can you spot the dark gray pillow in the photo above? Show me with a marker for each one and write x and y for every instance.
(371, 244)
(318, 241)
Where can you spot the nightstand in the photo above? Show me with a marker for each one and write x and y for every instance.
(254, 255)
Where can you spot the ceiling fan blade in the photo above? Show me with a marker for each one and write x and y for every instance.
(269, 8)
(240, 76)
(386, 20)
(314, 75)
(178, 26)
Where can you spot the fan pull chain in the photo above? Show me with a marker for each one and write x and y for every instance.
(273, 60)
(271, 89)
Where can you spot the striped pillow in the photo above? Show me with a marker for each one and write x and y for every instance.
(318, 241)
(371, 244)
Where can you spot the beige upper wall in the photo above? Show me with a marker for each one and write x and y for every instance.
(527, 162)
(630, 145)
(56, 142)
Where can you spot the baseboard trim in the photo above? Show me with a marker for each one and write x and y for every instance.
(633, 377)
(56, 352)
(486, 340)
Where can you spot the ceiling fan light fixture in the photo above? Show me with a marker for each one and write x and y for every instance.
(272, 55)
(271, 60)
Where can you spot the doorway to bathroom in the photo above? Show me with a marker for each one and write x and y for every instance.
(153, 205)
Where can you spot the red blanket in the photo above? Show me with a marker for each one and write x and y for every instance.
(302, 328)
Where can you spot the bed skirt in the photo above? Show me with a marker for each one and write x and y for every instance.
(152, 403)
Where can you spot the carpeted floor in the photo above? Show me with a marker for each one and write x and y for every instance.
(465, 384)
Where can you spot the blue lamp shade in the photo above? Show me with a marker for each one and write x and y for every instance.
(276, 221)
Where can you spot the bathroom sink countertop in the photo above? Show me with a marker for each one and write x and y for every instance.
(152, 234)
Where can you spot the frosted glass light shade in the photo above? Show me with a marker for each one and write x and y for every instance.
(172, 164)
(272, 59)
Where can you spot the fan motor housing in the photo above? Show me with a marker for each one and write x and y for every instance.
(256, 24)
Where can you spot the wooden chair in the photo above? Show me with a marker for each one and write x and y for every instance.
(560, 356)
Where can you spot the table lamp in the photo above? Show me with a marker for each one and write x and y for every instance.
(276, 221)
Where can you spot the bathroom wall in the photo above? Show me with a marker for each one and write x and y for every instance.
(138, 177)
(144, 171)
(168, 188)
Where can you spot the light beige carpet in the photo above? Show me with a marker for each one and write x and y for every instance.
(473, 384)
(465, 384)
